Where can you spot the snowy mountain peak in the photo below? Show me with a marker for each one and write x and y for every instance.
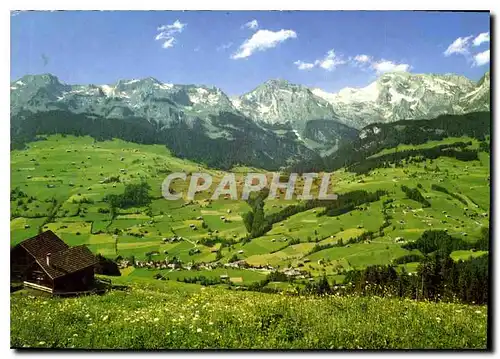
(312, 116)
(348, 95)
(278, 101)
(277, 82)
(401, 96)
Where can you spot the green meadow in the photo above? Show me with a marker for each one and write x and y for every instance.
(63, 180)
(194, 317)
(61, 184)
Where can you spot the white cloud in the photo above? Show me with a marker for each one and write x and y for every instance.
(482, 58)
(166, 33)
(380, 66)
(168, 43)
(224, 46)
(459, 46)
(363, 59)
(261, 41)
(383, 66)
(177, 26)
(254, 24)
(462, 46)
(483, 37)
(301, 65)
(330, 61)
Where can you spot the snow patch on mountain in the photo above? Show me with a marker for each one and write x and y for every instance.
(164, 86)
(297, 134)
(236, 102)
(108, 90)
(280, 102)
(396, 97)
(350, 95)
(404, 96)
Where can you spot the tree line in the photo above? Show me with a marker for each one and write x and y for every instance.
(414, 194)
(440, 241)
(257, 223)
(438, 278)
(438, 188)
(134, 195)
(248, 145)
(456, 150)
(380, 136)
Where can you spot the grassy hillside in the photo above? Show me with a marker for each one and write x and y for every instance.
(60, 183)
(203, 318)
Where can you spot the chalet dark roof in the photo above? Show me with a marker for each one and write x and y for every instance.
(50, 270)
(63, 259)
(46, 242)
(73, 259)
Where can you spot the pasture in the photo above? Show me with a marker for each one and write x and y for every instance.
(60, 184)
(182, 316)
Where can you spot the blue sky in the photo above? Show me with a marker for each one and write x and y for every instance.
(230, 50)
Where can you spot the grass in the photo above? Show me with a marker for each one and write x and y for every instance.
(429, 144)
(168, 314)
(465, 255)
(221, 319)
(89, 162)
(246, 276)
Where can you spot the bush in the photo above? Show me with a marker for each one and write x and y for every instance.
(431, 241)
(414, 194)
(408, 258)
(134, 195)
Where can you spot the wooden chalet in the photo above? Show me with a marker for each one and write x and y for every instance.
(46, 263)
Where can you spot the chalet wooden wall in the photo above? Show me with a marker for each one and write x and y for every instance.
(77, 281)
(20, 261)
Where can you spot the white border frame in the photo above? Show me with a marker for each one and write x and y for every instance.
(8, 5)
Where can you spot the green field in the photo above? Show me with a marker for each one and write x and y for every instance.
(236, 276)
(428, 144)
(203, 318)
(63, 175)
(60, 184)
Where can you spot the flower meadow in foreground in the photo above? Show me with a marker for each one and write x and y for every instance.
(215, 318)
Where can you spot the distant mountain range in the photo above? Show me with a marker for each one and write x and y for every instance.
(271, 126)
(404, 96)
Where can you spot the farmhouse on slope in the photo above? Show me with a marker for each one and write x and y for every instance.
(46, 263)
